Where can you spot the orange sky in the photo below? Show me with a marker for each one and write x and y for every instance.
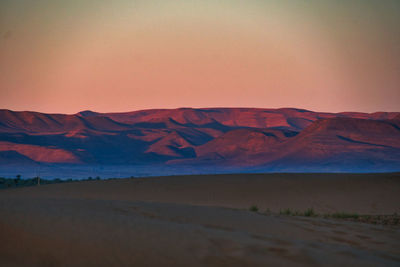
(68, 56)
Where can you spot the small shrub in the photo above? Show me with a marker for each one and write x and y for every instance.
(309, 212)
(286, 212)
(253, 208)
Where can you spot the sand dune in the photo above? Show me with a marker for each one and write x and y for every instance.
(200, 221)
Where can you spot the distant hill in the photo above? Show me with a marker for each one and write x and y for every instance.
(262, 139)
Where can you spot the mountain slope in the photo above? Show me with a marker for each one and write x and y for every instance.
(35, 122)
(328, 144)
(341, 142)
(173, 145)
(270, 139)
(240, 142)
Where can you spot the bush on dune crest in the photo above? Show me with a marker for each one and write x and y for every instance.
(389, 219)
(308, 212)
(253, 208)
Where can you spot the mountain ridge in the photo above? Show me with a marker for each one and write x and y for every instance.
(274, 139)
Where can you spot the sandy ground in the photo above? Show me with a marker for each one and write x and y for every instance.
(200, 221)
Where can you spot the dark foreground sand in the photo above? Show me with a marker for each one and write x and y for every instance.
(200, 221)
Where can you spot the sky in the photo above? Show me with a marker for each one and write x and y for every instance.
(61, 56)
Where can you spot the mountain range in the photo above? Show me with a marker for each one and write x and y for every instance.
(250, 139)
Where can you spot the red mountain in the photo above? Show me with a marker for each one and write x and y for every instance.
(35, 122)
(262, 139)
(343, 143)
(242, 142)
(173, 144)
(241, 117)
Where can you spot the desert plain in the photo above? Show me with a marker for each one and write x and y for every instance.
(202, 220)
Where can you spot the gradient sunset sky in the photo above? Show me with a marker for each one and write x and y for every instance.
(67, 56)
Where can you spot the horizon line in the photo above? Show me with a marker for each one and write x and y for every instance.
(200, 108)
